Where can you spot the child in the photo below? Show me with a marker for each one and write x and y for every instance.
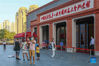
(24, 49)
(38, 52)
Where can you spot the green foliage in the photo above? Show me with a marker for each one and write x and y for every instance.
(1, 33)
(5, 34)
(11, 36)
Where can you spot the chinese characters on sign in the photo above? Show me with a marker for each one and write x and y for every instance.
(77, 7)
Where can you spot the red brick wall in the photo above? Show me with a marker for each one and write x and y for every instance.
(50, 31)
(38, 33)
(69, 33)
(69, 23)
(96, 5)
(97, 31)
(32, 29)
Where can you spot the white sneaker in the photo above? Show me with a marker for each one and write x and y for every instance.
(52, 56)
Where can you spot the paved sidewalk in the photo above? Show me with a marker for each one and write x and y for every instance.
(61, 59)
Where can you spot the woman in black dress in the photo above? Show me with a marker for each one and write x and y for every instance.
(17, 49)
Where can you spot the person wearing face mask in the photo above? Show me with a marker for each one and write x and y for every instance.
(32, 50)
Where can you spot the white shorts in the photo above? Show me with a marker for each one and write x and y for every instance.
(24, 51)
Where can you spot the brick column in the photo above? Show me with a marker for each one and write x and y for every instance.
(31, 29)
(50, 31)
(96, 3)
(69, 35)
(38, 34)
(97, 33)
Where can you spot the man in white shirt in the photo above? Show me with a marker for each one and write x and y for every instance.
(92, 45)
(4, 44)
(53, 47)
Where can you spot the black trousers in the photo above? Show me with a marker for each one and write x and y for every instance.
(4, 46)
(17, 53)
(92, 49)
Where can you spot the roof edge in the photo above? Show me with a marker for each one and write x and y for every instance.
(42, 6)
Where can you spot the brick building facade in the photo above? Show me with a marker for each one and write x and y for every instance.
(73, 23)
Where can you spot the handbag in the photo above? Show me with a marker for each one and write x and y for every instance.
(14, 49)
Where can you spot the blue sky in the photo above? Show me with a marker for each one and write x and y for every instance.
(8, 8)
